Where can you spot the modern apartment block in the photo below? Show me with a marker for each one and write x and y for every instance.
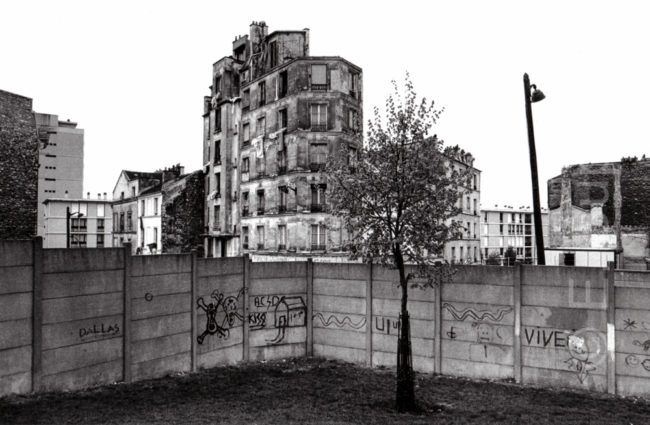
(61, 159)
(273, 116)
(466, 249)
(502, 227)
(77, 223)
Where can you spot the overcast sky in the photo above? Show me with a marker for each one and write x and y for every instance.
(133, 74)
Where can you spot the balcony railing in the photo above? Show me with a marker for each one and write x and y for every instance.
(319, 127)
(316, 166)
(317, 208)
(317, 247)
(319, 87)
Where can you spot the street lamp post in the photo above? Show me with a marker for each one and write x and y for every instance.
(536, 96)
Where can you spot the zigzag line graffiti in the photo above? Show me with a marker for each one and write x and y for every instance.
(346, 321)
(477, 314)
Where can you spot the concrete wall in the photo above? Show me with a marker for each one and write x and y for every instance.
(76, 318)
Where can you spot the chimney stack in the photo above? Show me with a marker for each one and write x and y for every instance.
(104, 196)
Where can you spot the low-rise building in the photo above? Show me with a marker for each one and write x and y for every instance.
(506, 226)
(77, 223)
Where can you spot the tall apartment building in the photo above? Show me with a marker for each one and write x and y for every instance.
(61, 159)
(19, 165)
(502, 227)
(273, 116)
(466, 249)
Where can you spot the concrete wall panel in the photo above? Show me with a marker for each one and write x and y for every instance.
(156, 327)
(493, 275)
(82, 355)
(562, 317)
(82, 260)
(284, 285)
(274, 352)
(341, 271)
(633, 298)
(570, 297)
(18, 383)
(163, 366)
(631, 386)
(16, 306)
(475, 370)
(15, 279)
(82, 307)
(15, 333)
(345, 354)
(219, 266)
(160, 305)
(15, 360)
(333, 304)
(15, 253)
(63, 334)
(341, 288)
(59, 285)
(151, 265)
(223, 283)
(488, 294)
(84, 377)
(278, 270)
(477, 352)
(339, 338)
(561, 378)
(417, 309)
(234, 336)
(485, 313)
(389, 290)
(157, 348)
(226, 356)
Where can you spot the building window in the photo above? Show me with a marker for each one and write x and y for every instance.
(354, 85)
(282, 118)
(475, 182)
(244, 203)
(282, 237)
(217, 120)
(283, 83)
(100, 241)
(474, 230)
(261, 87)
(245, 164)
(260, 202)
(319, 77)
(282, 195)
(282, 162)
(129, 221)
(260, 129)
(353, 120)
(155, 206)
(155, 236)
(247, 134)
(244, 237)
(318, 235)
(78, 225)
(318, 116)
(273, 54)
(116, 222)
(246, 100)
(100, 210)
(260, 237)
(78, 241)
(318, 197)
(217, 187)
(352, 159)
(100, 224)
(453, 254)
(142, 208)
(216, 222)
(317, 156)
(121, 221)
(217, 85)
(475, 254)
(217, 152)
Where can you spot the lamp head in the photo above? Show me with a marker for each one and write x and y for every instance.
(537, 94)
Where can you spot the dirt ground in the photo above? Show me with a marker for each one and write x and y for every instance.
(298, 391)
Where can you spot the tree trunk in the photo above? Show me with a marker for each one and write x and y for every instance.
(405, 391)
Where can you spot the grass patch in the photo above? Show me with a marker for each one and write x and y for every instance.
(319, 391)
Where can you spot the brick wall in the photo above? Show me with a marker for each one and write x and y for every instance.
(19, 164)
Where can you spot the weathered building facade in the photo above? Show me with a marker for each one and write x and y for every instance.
(19, 149)
(274, 115)
(603, 206)
(466, 249)
(182, 213)
(77, 223)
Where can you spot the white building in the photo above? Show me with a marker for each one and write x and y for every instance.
(149, 223)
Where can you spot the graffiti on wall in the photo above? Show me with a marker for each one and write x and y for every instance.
(100, 331)
(545, 337)
(385, 324)
(334, 321)
(645, 344)
(277, 312)
(227, 306)
(633, 360)
(586, 348)
(480, 315)
(629, 324)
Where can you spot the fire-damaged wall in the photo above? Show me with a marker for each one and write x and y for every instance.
(182, 213)
(603, 205)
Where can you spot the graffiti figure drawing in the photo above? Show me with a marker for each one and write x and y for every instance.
(645, 345)
(584, 346)
(634, 361)
(629, 324)
(228, 306)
